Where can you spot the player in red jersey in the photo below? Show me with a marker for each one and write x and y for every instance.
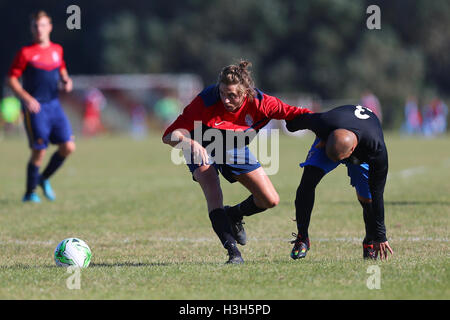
(41, 66)
(230, 108)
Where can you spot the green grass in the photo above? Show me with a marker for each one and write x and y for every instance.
(147, 225)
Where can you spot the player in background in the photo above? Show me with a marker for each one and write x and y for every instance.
(41, 66)
(232, 105)
(350, 135)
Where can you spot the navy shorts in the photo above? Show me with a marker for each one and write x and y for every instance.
(236, 162)
(49, 125)
(358, 173)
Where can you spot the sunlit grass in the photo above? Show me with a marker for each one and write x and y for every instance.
(147, 225)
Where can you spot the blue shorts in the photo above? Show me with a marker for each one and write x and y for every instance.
(358, 173)
(50, 124)
(237, 161)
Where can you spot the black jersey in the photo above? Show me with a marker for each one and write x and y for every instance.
(371, 148)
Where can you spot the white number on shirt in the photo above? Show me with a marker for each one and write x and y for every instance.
(359, 112)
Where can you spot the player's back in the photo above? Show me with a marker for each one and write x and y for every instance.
(362, 121)
(351, 117)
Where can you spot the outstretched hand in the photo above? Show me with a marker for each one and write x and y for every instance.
(382, 249)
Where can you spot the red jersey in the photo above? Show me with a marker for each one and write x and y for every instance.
(208, 109)
(39, 67)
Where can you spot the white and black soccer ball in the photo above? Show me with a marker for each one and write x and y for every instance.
(73, 252)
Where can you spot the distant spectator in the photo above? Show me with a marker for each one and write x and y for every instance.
(10, 113)
(95, 102)
(370, 101)
(139, 127)
(435, 118)
(413, 118)
(167, 109)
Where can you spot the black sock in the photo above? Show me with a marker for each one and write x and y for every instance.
(246, 208)
(55, 162)
(367, 210)
(221, 227)
(304, 200)
(32, 177)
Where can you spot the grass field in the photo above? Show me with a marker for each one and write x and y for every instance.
(146, 223)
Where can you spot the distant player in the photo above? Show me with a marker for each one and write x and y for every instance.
(41, 66)
(350, 135)
(232, 106)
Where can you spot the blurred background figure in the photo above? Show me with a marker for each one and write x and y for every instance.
(406, 57)
(167, 109)
(370, 101)
(95, 102)
(413, 118)
(139, 128)
(435, 118)
(10, 114)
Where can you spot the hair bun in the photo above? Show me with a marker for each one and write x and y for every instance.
(244, 64)
(238, 74)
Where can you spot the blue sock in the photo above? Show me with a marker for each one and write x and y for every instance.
(32, 177)
(55, 162)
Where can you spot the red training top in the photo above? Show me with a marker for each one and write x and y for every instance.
(254, 114)
(39, 67)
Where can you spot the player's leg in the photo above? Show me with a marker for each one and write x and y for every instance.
(58, 158)
(366, 204)
(316, 166)
(305, 197)
(368, 249)
(55, 162)
(263, 194)
(208, 180)
(35, 162)
(242, 166)
(60, 134)
(304, 203)
(359, 179)
(36, 127)
(207, 177)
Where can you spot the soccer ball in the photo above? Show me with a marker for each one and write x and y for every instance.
(72, 252)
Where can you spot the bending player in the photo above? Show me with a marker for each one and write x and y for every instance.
(41, 65)
(350, 135)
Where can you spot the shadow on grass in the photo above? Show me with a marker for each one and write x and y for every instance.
(130, 264)
(157, 264)
(9, 201)
(92, 265)
(394, 203)
(27, 266)
(415, 203)
(112, 265)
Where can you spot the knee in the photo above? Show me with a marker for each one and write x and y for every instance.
(67, 148)
(274, 201)
(311, 178)
(37, 157)
(270, 201)
(363, 200)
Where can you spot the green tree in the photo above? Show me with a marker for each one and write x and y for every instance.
(383, 66)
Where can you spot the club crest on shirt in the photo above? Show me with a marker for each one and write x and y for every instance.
(55, 56)
(248, 120)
